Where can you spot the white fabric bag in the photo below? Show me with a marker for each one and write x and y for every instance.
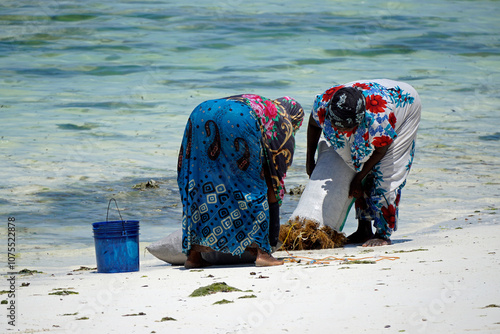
(325, 199)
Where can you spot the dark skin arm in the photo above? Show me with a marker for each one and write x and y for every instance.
(313, 135)
(356, 188)
(271, 195)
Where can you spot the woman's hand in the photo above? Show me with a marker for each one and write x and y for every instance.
(356, 187)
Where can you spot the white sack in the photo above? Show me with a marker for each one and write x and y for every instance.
(325, 199)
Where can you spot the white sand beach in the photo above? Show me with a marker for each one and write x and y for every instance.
(442, 279)
(95, 97)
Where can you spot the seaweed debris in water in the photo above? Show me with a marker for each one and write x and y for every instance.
(151, 184)
(298, 190)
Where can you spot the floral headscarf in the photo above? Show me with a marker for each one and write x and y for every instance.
(280, 120)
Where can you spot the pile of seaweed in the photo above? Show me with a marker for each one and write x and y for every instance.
(305, 234)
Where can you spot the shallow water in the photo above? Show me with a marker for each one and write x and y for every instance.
(95, 96)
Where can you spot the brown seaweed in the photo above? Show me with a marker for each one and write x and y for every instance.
(304, 234)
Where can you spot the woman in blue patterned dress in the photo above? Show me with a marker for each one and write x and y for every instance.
(232, 163)
(373, 126)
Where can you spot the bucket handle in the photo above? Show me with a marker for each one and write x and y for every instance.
(107, 213)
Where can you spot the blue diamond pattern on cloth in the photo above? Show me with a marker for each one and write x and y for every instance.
(208, 188)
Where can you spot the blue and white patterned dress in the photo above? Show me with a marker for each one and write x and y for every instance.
(226, 145)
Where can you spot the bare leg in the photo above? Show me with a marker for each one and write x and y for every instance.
(194, 259)
(362, 234)
(266, 260)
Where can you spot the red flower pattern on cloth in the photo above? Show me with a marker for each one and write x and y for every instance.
(270, 109)
(267, 112)
(392, 119)
(330, 92)
(321, 115)
(366, 137)
(382, 141)
(398, 198)
(389, 213)
(375, 103)
(348, 133)
(361, 85)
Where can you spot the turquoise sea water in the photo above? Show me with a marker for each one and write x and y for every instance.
(94, 97)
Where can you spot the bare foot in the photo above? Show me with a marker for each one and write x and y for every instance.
(362, 234)
(266, 260)
(195, 260)
(377, 242)
(359, 237)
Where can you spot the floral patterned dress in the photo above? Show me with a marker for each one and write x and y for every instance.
(227, 143)
(392, 118)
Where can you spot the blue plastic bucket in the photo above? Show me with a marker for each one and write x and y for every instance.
(117, 246)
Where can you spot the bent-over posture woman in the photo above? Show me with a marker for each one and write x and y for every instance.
(373, 125)
(232, 163)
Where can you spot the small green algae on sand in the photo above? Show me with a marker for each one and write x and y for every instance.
(360, 262)
(133, 314)
(247, 296)
(29, 272)
(167, 319)
(412, 250)
(63, 292)
(83, 268)
(212, 288)
(223, 301)
(491, 306)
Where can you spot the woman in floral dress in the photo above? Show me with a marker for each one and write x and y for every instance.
(232, 163)
(373, 125)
